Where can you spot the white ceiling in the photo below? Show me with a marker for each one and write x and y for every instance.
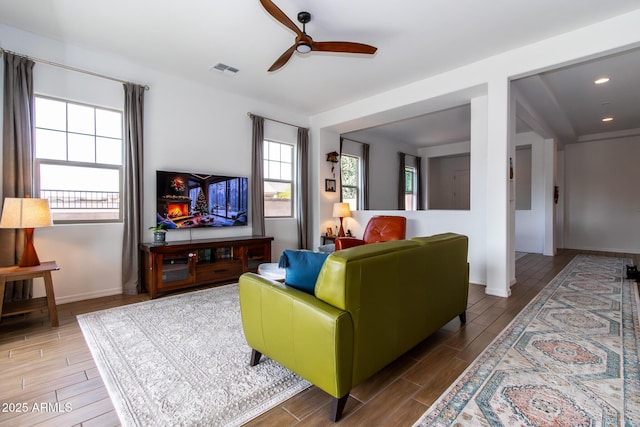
(567, 100)
(415, 39)
(573, 105)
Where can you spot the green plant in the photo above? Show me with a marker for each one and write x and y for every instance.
(158, 228)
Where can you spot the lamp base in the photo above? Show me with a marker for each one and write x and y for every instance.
(341, 231)
(29, 256)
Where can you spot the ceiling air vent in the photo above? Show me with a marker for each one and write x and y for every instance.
(225, 69)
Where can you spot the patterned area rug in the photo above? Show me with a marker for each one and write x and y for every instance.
(183, 361)
(570, 358)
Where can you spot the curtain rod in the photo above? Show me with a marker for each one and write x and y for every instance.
(251, 115)
(357, 142)
(407, 154)
(68, 67)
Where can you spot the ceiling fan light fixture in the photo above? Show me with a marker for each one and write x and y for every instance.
(304, 43)
(303, 47)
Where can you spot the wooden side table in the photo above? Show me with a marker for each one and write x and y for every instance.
(12, 274)
(330, 239)
(324, 239)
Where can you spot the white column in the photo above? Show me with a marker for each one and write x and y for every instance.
(479, 142)
(499, 223)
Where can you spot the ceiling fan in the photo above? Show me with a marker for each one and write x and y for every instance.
(304, 43)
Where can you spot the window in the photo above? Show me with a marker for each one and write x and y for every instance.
(278, 180)
(78, 160)
(351, 180)
(410, 189)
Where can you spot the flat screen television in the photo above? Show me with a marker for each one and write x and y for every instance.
(193, 200)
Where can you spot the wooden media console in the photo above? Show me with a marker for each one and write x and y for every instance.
(185, 264)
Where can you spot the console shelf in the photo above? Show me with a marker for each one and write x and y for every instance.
(185, 264)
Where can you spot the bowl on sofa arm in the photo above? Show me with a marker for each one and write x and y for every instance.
(371, 304)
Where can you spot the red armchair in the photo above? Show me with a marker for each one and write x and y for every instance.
(381, 228)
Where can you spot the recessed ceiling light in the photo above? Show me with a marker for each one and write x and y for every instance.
(607, 119)
(602, 80)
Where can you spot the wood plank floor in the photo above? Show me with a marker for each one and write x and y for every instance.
(49, 374)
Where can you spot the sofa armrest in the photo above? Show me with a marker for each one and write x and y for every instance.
(299, 331)
(347, 242)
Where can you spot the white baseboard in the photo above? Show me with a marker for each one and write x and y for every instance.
(89, 295)
(498, 292)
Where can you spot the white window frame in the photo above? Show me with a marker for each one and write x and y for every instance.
(357, 187)
(39, 162)
(414, 191)
(266, 178)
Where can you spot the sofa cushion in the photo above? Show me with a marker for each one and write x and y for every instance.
(302, 268)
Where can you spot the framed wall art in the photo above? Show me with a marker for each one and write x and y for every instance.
(330, 185)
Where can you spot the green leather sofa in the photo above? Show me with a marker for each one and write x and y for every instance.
(372, 303)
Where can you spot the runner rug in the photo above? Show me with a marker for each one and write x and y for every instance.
(183, 360)
(570, 358)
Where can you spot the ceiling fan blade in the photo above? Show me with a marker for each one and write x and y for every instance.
(280, 16)
(284, 58)
(348, 47)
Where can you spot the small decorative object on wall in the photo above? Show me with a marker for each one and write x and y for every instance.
(556, 194)
(333, 158)
(330, 185)
(510, 168)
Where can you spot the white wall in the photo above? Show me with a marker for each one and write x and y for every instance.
(383, 173)
(560, 211)
(602, 207)
(188, 126)
(468, 222)
(443, 172)
(383, 168)
(523, 173)
(489, 77)
(530, 224)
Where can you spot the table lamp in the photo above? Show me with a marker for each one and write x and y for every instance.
(26, 213)
(341, 210)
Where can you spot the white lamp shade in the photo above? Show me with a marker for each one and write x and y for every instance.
(341, 210)
(25, 213)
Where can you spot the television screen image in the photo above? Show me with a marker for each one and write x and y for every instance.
(192, 200)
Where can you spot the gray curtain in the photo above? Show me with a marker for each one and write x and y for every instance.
(17, 159)
(303, 194)
(257, 176)
(365, 176)
(419, 183)
(133, 189)
(401, 183)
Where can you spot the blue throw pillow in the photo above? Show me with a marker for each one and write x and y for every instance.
(302, 268)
